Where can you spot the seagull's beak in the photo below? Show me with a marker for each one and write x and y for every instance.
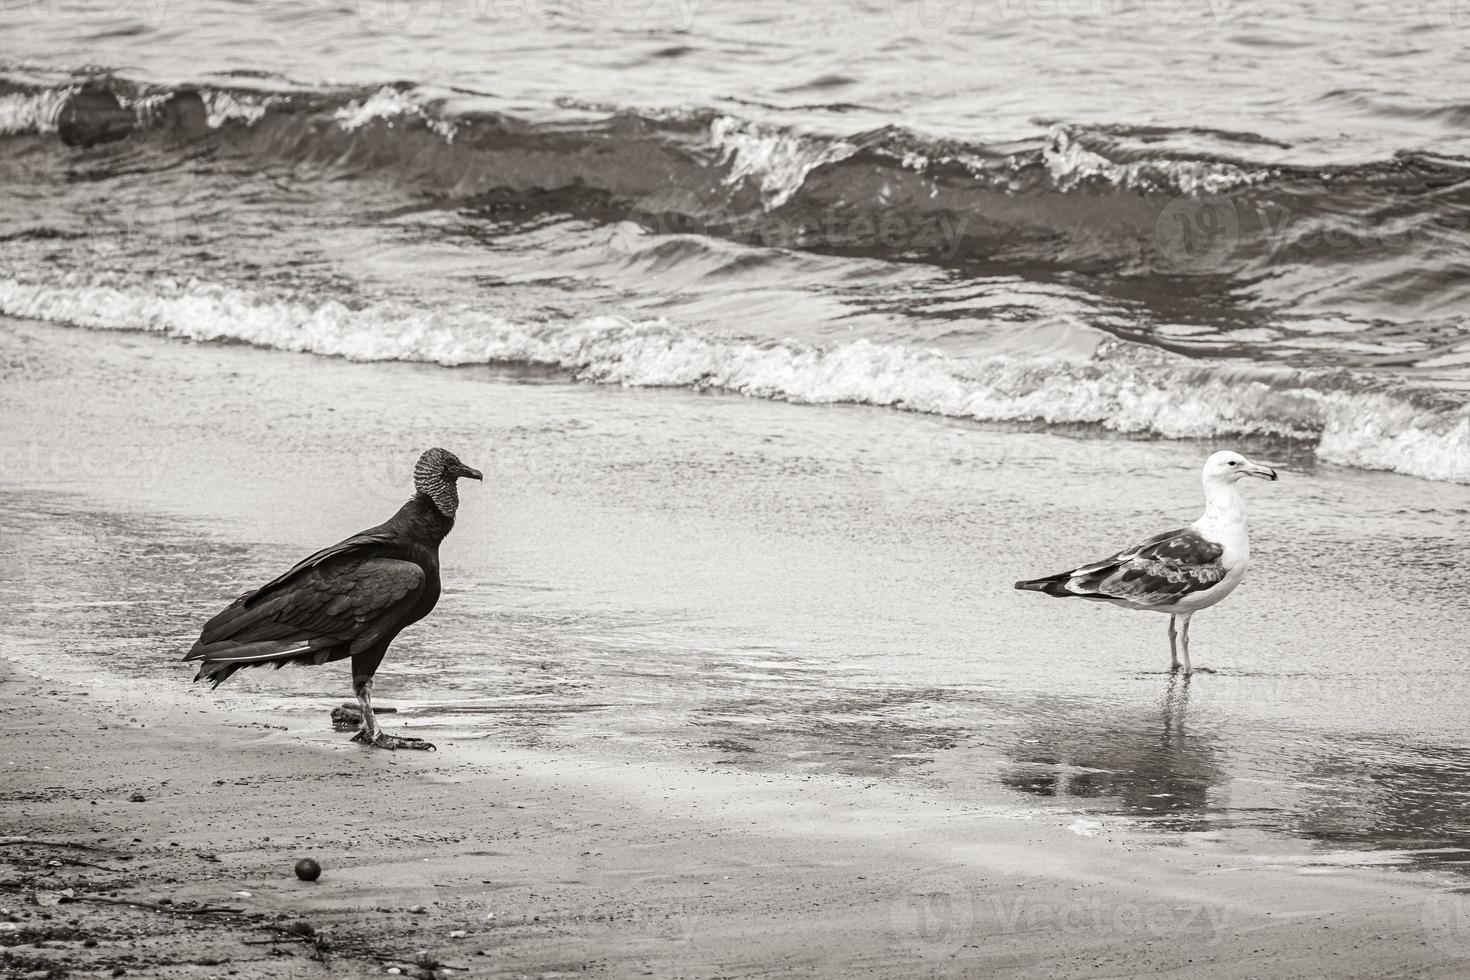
(1259, 470)
(469, 472)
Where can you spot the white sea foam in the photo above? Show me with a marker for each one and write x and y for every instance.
(40, 111)
(386, 104)
(222, 107)
(777, 161)
(1124, 387)
(32, 112)
(1070, 163)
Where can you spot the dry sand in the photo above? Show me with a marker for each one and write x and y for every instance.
(518, 863)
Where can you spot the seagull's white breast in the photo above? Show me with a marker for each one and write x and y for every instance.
(1228, 530)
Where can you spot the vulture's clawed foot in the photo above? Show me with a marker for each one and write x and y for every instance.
(385, 741)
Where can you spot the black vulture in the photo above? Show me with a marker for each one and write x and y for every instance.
(349, 600)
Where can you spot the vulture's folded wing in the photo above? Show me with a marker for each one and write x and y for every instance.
(362, 543)
(1157, 572)
(323, 611)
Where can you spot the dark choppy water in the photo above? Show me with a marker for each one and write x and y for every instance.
(1163, 217)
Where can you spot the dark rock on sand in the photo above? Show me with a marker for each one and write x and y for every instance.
(350, 714)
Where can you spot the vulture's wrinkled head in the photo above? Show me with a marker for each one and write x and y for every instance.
(434, 477)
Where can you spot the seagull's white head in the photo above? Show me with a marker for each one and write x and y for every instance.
(1226, 467)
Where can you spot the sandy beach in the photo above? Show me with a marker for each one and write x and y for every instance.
(499, 862)
(723, 782)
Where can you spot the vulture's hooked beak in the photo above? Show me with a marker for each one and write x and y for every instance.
(469, 472)
(1258, 470)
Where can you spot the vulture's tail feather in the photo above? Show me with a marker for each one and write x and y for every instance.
(223, 658)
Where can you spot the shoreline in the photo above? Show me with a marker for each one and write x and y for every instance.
(548, 864)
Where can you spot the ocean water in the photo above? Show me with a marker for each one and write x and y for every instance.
(1021, 263)
(1174, 218)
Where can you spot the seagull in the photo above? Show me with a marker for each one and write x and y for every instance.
(349, 600)
(1177, 572)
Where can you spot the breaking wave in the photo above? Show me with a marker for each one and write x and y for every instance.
(1091, 199)
(1126, 387)
(1183, 228)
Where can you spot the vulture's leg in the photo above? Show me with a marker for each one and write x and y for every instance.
(362, 689)
(370, 733)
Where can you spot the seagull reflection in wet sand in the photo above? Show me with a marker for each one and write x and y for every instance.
(1146, 762)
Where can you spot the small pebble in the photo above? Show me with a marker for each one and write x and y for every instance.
(458, 934)
(308, 870)
(135, 798)
(301, 928)
(89, 942)
(416, 909)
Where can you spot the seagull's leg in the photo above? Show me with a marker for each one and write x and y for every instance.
(1173, 645)
(1184, 642)
(371, 734)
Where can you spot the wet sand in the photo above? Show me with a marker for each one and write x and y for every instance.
(687, 726)
(523, 863)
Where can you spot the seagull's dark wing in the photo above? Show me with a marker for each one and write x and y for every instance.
(336, 603)
(1158, 572)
